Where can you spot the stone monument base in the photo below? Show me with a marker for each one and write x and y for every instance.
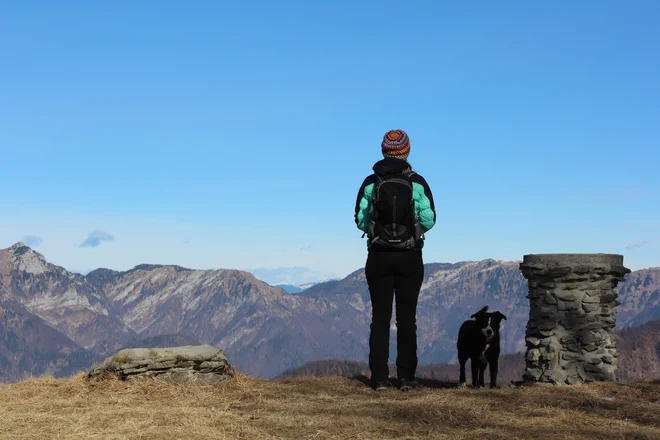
(570, 333)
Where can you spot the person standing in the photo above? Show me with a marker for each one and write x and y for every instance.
(394, 209)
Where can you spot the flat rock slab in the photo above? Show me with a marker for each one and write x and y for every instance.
(196, 363)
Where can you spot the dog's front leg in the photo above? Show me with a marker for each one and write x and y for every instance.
(493, 373)
(474, 364)
(482, 372)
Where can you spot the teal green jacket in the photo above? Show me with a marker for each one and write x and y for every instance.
(424, 205)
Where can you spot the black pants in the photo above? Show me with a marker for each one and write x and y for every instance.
(389, 274)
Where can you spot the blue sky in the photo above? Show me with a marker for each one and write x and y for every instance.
(236, 135)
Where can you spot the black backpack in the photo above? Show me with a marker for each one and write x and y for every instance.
(393, 221)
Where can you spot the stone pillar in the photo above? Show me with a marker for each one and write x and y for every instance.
(570, 333)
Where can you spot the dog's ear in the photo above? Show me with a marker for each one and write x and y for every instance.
(483, 310)
(500, 316)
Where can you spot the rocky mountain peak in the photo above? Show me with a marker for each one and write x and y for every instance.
(15, 246)
(23, 258)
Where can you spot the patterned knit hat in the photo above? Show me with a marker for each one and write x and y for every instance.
(396, 144)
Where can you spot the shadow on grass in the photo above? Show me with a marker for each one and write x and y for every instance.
(426, 383)
(436, 383)
(645, 387)
(443, 418)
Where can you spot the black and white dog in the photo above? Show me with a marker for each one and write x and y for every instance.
(479, 341)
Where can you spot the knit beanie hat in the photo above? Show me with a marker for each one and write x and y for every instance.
(396, 144)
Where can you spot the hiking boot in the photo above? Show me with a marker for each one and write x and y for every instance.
(379, 385)
(407, 385)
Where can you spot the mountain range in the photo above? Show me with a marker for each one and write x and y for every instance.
(54, 321)
(297, 288)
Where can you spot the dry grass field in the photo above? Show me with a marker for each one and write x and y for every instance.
(323, 408)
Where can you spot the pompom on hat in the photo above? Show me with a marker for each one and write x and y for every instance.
(396, 144)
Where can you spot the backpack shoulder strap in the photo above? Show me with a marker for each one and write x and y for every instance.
(408, 173)
(379, 180)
